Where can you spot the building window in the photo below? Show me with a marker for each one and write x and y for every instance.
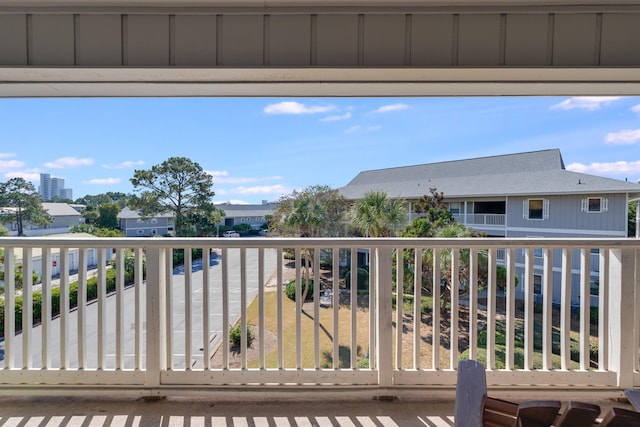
(140, 231)
(537, 284)
(535, 209)
(454, 207)
(154, 231)
(154, 220)
(595, 204)
(537, 252)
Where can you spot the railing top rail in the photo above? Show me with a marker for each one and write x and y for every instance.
(293, 242)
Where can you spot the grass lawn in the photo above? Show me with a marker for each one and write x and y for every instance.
(326, 335)
(307, 325)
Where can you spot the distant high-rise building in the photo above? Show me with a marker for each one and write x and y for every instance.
(52, 187)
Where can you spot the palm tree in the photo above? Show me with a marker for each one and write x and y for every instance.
(378, 216)
(307, 217)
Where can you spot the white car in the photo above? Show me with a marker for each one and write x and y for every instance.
(230, 233)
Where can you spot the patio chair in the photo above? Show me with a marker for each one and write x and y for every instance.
(537, 413)
(473, 408)
(619, 417)
(578, 414)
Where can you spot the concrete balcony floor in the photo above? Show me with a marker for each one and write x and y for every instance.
(211, 412)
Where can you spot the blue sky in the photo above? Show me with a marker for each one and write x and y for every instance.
(260, 148)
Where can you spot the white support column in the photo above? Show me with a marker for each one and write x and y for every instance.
(384, 329)
(621, 325)
(156, 339)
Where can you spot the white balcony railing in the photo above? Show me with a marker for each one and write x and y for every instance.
(166, 331)
(480, 219)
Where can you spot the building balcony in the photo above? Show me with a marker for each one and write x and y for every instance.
(142, 325)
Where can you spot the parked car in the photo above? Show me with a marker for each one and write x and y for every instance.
(230, 233)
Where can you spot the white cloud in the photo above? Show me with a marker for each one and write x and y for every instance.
(344, 116)
(391, 107)
(27, 175)
(611, 168)
(246, 180)
(292, 107)
(358, 128)
(216, 174)
(11, 164)
(222, 177)
(623, 137)
(125, 165)
(261, 189)
(636, 108)
(103, 181)
(5, 155)
(69, 162)
(590, 103)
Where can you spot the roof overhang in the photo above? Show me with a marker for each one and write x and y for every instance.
(338, 82)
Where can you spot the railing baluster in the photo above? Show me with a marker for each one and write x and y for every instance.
(528, 308)
(565, 311)
(299, 286)
(139, 279)
(46, 307)
(316, 306)
(120, 252)
(225, 308)
(9, 307)
(510, 322)
(279, 308)
(82, 308)
(188, 307)
(206, 283)
(27, 307)
(354, 306)
(417, 307)
(261, 315)
(335, 252)
(603, 312)
(64, 308)
(585, 305)
(454, 316)
(399, 306)
(491, 309)
(243, 308)
(435, 360)
(101, 296)
(373, 288)
(169, 308)
(473, 303)
(547, 311)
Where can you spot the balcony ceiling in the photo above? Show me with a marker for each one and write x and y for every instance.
(58, 48)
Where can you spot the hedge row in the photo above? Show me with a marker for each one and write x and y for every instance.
(92, 294)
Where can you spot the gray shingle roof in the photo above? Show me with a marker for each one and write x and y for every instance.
(234, 211)
(60, 209)
(537, 172)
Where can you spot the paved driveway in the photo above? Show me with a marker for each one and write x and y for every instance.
(178, 310)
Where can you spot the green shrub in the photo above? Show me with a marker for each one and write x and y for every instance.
(290, 289)
(362, 278)
(235, 335)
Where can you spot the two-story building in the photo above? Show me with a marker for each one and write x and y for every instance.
(62, 215)
(515, 195)
(133, 224)
(253, 215)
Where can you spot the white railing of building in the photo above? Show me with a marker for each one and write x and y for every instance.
(481, 219)
(157, 335)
